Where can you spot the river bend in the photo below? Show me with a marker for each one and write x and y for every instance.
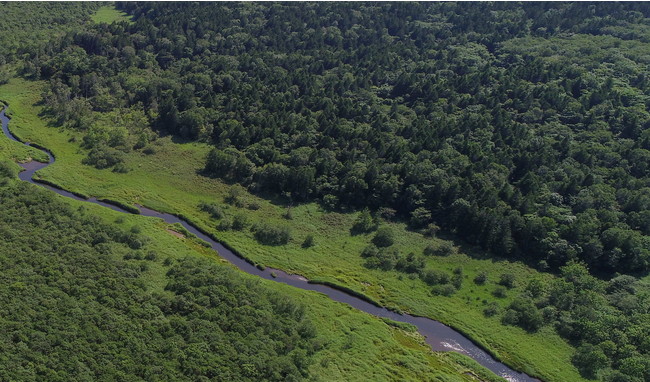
(439, 336)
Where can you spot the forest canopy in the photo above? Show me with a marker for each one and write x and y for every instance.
(87, 311)
(524, 129)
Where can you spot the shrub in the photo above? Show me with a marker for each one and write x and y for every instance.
(239, 222)
(364, 223)
(224, 225)
(211, 208)
(384, 237)
(507, 280)
(149, 150)
(234, 194)
(429, 250)
(385, 259)
(535, 287)
(271, 235)
(499, 292)
(120, 168)
(491, 310)
(420, 217)
(151, 256)
(309, 241)
(103, 156)
(5, 170)
(481, 278)
(523, 313)
(431, 230)
(410, 263)
(434, 277)
(330, 202)
(443, 290)
(457, 280)
(444, 249)
(370, 251)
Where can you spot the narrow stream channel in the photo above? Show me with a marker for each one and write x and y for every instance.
(439, 336)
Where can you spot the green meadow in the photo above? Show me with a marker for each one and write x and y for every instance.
(167, 180)
(108, 14)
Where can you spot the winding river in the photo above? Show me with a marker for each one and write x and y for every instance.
(439, 336)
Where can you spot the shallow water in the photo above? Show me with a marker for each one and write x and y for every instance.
(439, 336)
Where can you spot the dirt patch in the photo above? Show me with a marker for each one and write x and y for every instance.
(171, 231)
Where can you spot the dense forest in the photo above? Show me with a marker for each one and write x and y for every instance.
(522, 129)
(86, 311)
(426, 112)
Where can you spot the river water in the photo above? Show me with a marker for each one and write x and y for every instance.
(439, 336)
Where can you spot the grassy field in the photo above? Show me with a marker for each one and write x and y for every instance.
(108, 14)
(168, 181)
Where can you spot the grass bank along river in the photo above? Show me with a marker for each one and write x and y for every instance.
(166, 180)
(438, 336)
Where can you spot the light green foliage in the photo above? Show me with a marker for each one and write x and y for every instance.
(108, 14)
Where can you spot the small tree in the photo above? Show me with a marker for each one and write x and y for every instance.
(309, 241)
(444, 249)
(271, 235)
(481, 278)
(239, 222)
(507, 280)
(384, 237)
(364, 223)
(589, 359)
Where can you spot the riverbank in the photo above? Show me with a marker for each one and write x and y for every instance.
(162, 182)
(378, 350)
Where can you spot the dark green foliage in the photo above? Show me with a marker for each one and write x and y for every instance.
(443, 290)
(369, 251)
(435, 277)
(589, 360)
(445, 248)
(385, 259)
(213, 209)
(105, 157)
(29, 26)
(120, 168)
(309, 241)
(507, 280)
(481, 278)
(271, 235)
(239, 222)
(499, 292)
(224, 225)
(457, 280)
(72, 307)
(6, 170)
(429, 250)
(524, 313)
(364, 223)
(526, 154)
(385, 237)
(491, 310)
(234, 196)
(410, 263)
